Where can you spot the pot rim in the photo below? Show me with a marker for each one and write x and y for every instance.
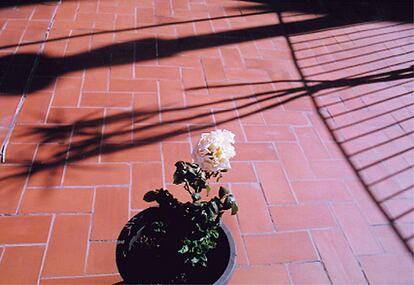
(231, 265)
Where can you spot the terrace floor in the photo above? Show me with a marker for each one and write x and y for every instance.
(99, 98)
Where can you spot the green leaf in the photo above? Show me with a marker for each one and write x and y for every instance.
(184, 249)
(204, 258)
(208, 189)
(196, 197)
(179, 173)
(150, 196)
(234, 208)
(176, 179)
(215, 206)
(199, 250)
(222, 192)
(212, 214)
(214, 234)
(228, 202)
(194, 260)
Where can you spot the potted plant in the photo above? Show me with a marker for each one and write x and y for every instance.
(184, 242)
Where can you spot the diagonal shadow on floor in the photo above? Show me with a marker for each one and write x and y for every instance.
(49, 68)
(89, 140)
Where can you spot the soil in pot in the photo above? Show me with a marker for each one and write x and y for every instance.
(148, 253)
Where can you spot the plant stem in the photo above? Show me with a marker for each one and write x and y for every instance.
(187, 188)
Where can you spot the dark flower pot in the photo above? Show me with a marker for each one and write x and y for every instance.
(162, 264)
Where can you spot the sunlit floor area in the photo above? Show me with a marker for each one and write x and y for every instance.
(99, 98)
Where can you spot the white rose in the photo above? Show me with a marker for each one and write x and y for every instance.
(214, 150)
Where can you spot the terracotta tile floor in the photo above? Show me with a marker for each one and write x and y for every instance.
(99, 98)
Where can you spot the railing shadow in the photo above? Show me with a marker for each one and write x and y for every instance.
(17, 3)
(49, 68)
(356, 120)
(88, 140)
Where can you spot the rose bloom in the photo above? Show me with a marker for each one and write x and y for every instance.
(214, 150)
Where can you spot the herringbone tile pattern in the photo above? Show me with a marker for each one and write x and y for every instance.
(117, 91)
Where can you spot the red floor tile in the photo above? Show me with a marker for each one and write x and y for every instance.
(389, 240)
(11, 188)
(112, 99)
(128, 85)
(50, 156)
(272, 274)
(158, 72)
(84, 280)
(311, 144)
(69, 239)
(67, 92)
(294, 161)
(321, 110)
(277, 248)
(96, 174)
(308, 273)
(274, 182)
(318, 191)
(232, 223)
(213, 70)
(35, 109)
(302, 217)
(357, 231)
(388, 269)
(268, 133)
(35, 229)
(240, 172)
(54, 200)
(291, 118)
(340, 263)
(101, 258)
(258, 220)
(130, 153)
(21, 265)
(170, 152)
(142, 183)
(21, 153)
(255, 151)
(110, 214)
